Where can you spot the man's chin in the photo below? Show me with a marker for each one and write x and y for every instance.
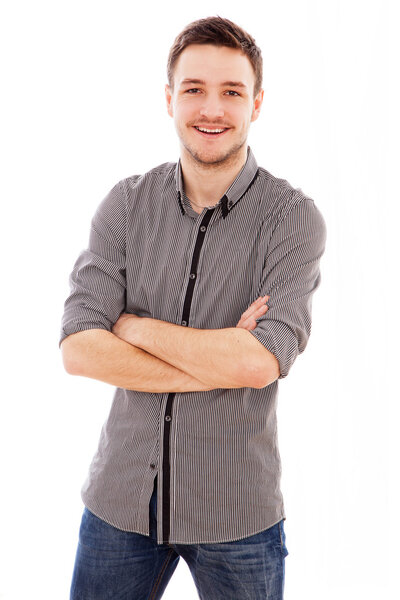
(214, 158)
(206, 159)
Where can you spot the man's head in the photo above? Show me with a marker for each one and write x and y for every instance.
(218, 32)
(214, 83)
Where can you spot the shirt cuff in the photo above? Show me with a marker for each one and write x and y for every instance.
(279, 339)
(75, 327)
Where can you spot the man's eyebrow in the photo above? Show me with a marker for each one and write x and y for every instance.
(238, 84)
(185, 81)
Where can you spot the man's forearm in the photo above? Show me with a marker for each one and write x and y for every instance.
(226, 358)
(101, 355)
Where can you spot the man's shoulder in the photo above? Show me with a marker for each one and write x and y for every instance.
(291, 205)
(280, 195)
(272, 180)
(160, 172)
(279, 186)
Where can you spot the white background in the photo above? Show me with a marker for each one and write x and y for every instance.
(83, 107)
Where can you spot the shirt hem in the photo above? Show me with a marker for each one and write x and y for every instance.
(172, 540)
(227, 541)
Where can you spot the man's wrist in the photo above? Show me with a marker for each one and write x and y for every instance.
(127, 328)
(137, 327)
(144, 329)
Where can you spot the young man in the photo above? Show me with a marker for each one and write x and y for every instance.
(169, 304)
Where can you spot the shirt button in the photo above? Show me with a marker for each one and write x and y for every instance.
(192, 276)
(184, 323)
(168, 418)
(203, 228)
(152, 466)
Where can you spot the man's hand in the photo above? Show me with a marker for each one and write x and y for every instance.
(255, 310)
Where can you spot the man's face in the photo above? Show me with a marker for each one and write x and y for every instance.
(213, 89)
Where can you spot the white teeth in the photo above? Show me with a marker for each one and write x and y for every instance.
(210, 130)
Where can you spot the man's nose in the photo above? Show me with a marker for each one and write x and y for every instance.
(212, 107)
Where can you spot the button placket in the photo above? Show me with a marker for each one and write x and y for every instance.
(166, 478)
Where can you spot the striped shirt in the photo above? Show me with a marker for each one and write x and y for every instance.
(215, 453)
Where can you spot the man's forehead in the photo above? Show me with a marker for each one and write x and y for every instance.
(214, 65)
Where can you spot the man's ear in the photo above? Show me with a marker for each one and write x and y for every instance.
(168, 97)
(258, 100)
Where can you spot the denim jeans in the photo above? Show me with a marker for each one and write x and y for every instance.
(119, 565)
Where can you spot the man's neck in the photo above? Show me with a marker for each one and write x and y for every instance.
(206, 184)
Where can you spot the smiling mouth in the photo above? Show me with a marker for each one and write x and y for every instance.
(211, 131)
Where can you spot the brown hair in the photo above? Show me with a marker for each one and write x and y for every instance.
(219, 32)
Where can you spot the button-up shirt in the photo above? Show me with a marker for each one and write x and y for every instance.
(215, 453)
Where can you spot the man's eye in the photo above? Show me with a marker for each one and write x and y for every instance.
(192, 90)
(232, 92)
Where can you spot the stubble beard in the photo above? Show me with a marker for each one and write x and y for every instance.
(216, 160)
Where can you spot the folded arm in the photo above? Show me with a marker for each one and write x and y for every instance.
(101, 355)
(220, 358)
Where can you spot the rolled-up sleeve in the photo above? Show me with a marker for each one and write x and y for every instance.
(98, 279)
(290, 277)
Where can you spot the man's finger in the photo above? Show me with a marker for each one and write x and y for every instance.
(249, 321)
(255, 305)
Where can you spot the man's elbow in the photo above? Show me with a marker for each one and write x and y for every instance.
(70, 355)
(264, 372)
(82, 351)
(78, 350)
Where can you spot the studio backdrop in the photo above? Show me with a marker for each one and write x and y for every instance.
(83, 107)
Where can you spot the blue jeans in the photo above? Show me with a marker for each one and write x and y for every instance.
(119, 565)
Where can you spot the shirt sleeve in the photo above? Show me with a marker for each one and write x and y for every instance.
(98, 279)
(290, 277)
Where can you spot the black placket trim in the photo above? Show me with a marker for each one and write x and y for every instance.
(166, 477)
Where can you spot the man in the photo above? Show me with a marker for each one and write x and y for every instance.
(169, 304)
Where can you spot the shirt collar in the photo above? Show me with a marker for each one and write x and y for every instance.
(236, 190)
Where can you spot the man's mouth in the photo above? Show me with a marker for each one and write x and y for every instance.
(211, 131)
